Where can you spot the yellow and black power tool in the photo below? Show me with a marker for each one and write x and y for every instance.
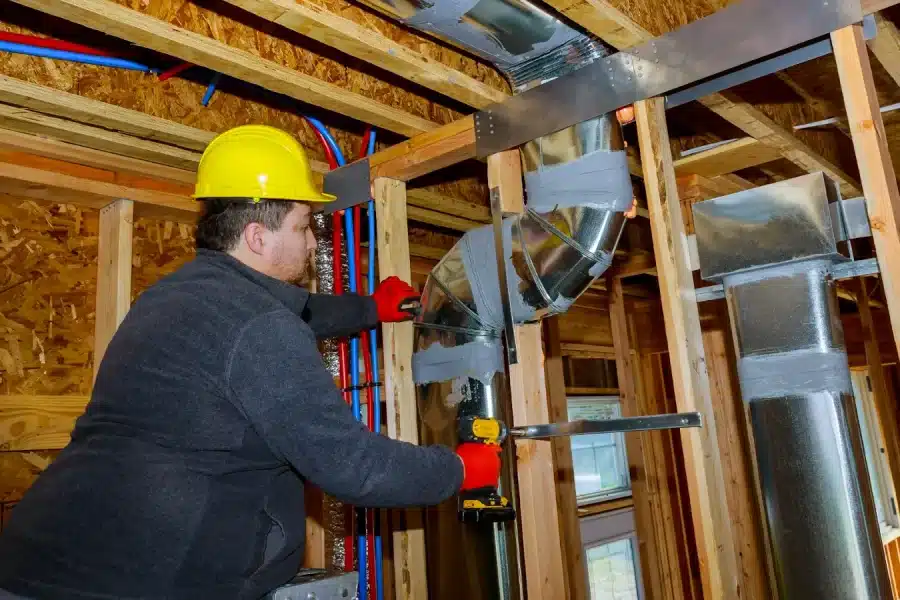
(483, 505)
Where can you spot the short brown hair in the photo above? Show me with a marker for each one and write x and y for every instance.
(224, 219)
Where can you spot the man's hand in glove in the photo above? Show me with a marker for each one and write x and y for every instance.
(396, 300)
(481, 464)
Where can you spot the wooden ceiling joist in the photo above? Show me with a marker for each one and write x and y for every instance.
(621, 31)
(158, 35)
(366, 44)
(77, 108)
(886, 47)
(727, 158)
(28, 121)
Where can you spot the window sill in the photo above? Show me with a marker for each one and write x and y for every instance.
(605, 506)
(889, 534)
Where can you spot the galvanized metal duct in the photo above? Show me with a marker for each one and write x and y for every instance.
(774, 248)
(578, 187)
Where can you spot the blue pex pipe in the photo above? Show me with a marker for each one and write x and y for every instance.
(211, 89)
(338, 155)
(373, 347)
(88, 59)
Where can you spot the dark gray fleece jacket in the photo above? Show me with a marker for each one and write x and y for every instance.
(184, 478)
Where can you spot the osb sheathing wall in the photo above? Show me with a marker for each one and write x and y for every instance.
(48, 255)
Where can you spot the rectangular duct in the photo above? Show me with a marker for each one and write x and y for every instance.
(773, 249)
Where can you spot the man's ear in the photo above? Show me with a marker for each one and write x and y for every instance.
(254, 236)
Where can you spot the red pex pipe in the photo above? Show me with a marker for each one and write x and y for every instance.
(172, 72)
(42, 42)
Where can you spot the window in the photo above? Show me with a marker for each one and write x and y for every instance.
(610, 552)
(876, 457)
(599, 460)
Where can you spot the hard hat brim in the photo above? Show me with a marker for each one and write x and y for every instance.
(320, 198)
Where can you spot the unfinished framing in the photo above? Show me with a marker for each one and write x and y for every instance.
(136, 163)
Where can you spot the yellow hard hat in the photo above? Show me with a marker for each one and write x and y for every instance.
(258, 162)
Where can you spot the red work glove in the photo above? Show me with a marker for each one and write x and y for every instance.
(481, 463)
(391, 295)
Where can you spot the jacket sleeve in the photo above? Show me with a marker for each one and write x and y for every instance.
(278, 380)
(338, 316)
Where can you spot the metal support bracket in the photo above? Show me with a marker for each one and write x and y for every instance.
(751, 31)
(509, 332)
(350, 184)
(623, 425)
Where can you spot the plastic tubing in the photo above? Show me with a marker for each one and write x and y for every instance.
(80, 57)
(373, 345)
(317, 124)
(41, 42)
(173, 71)
(211, 89)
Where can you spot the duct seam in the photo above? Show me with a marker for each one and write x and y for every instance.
(567, 239)
(451, 329)
(459, 303)
(529, 262)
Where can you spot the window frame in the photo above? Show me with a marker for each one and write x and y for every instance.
(606, 528)
(621, 452)
(871, 429)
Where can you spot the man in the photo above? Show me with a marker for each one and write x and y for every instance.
(212, 408)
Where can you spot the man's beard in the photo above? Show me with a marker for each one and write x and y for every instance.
(307, 274)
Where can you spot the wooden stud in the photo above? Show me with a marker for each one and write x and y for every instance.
(113, 273)
(371, 46)
(885, 403)
(314, 504)
(726, 158)
(879, 181)
(426, 153)
(545, 564)
(565, 472)
(38, 422)
(706, 485)
(400, 392)
(634, 446)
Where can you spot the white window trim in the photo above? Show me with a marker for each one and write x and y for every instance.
(598, 497)
(888, 501)
(605, 528)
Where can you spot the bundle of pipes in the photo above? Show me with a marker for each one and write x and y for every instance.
(336, 263)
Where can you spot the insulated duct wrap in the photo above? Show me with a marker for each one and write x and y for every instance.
(332, 510)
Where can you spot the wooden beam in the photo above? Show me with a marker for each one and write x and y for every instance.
(60, 187)
(400, 392)
(28, 121)
(371, 46)
(612, 25)
(91, 157)
(113, 273)
(706, 485)
(480, 213)
(77, 108)
(570, 529)
(727, 158)
(873, 155)
(542, 545)
(886, 46)
(38, 422)
(432, 217)
(634, 444)
(114, 19)
(885, 403)
(426, 153)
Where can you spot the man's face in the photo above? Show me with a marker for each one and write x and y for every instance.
(293, 246)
